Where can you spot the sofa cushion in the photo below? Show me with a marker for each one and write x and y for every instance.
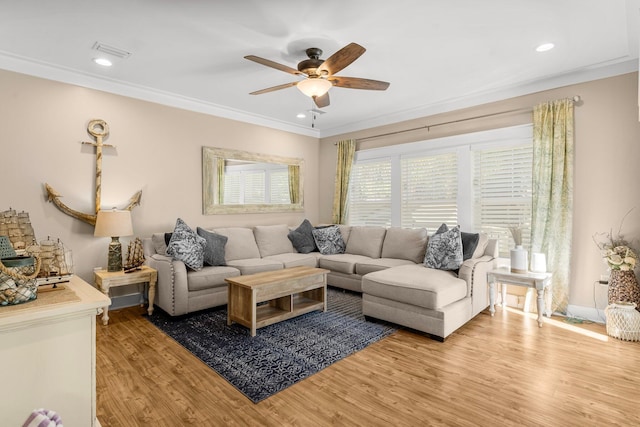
(366, 240)
(483, 241)
(210, 277)
(241, 243)
(255, 265)
(214, 250)
(159, 244)
(416, 285)
(186, 246)
(444, 249)
(345, 231)
(329, 240)
(342, 263)
(405, 243)
(295, 260)
(378, 264)
(469, 244)
(272, 239)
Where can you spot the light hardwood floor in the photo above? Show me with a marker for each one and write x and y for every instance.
(500, 371)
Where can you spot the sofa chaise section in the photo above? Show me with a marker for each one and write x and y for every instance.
(433, 301)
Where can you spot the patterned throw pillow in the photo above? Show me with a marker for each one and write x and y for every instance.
(186, 246)
(329, 240)
(444, 249)
(302, 238)
(214, 250)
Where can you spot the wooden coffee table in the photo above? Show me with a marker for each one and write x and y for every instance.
(285, 293)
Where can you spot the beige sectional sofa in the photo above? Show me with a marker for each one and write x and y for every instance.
(384, 264)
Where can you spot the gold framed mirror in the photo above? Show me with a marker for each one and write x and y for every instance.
(235, 181)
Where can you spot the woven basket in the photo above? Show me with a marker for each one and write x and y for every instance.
(18, 282)
(623, 321)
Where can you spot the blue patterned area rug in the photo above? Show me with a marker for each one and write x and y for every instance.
(279, 355)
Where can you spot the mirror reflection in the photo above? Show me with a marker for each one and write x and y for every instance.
(236, 181)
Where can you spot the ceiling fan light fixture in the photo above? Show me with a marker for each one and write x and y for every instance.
(314, 87)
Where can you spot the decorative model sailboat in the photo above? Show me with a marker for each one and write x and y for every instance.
(57, 262)
(135, 256)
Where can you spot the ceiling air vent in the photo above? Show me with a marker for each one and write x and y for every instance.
(111, 50)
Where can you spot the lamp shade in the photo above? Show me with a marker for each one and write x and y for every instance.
(314, 86)
(113, 223)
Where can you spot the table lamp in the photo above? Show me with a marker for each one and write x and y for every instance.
(114, 223)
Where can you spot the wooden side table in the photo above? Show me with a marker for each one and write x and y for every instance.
(538, 281)
(106, 280)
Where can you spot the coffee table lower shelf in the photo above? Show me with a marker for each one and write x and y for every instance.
(268, 313)
(262, 299)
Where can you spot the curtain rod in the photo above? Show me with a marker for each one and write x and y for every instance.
(575, 99)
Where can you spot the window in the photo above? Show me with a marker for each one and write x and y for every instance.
(429, 190)
(502, 188)
(370, 193)
(481, 181)
(255, 184)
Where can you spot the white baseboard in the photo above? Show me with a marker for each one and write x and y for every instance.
(587, 313)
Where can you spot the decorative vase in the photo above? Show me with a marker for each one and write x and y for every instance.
(623, 321)
(519, 263)
(623, 287)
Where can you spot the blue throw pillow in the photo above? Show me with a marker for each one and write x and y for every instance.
(186, 246)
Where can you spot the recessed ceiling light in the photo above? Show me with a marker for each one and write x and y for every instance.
(545, 47)
(301, 115)
(103, 61)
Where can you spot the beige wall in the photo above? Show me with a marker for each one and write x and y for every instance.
(158, 150)
(607, 164)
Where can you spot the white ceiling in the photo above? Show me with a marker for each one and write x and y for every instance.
(438, 55)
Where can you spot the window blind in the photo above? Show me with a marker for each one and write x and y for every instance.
(279, 187)
(502, 187)
(254, 187)
(429, 190)
(232, 189)
(370, 193)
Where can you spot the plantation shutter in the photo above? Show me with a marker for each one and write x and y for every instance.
(279, 187)
(370, 193)
(254, 187)
(429, 190)
(502, 186)
(232, 188)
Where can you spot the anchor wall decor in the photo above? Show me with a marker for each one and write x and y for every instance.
(99, 130)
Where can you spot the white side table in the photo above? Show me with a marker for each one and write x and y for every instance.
(538, 281)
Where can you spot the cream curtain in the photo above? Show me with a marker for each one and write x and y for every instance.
(552, 200)
(220, 176)
(346, 152)
(294, 184)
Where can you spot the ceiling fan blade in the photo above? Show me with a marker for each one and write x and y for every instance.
(271, 89)
(357, 83)
(322, 101)
(341, 59)
(272, 64)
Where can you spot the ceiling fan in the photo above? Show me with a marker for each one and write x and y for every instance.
(320, 74)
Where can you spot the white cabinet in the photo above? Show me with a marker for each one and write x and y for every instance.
(48, 355)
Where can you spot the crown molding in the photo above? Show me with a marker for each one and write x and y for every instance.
(53, 72)
(57, 73)
(471, 100)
